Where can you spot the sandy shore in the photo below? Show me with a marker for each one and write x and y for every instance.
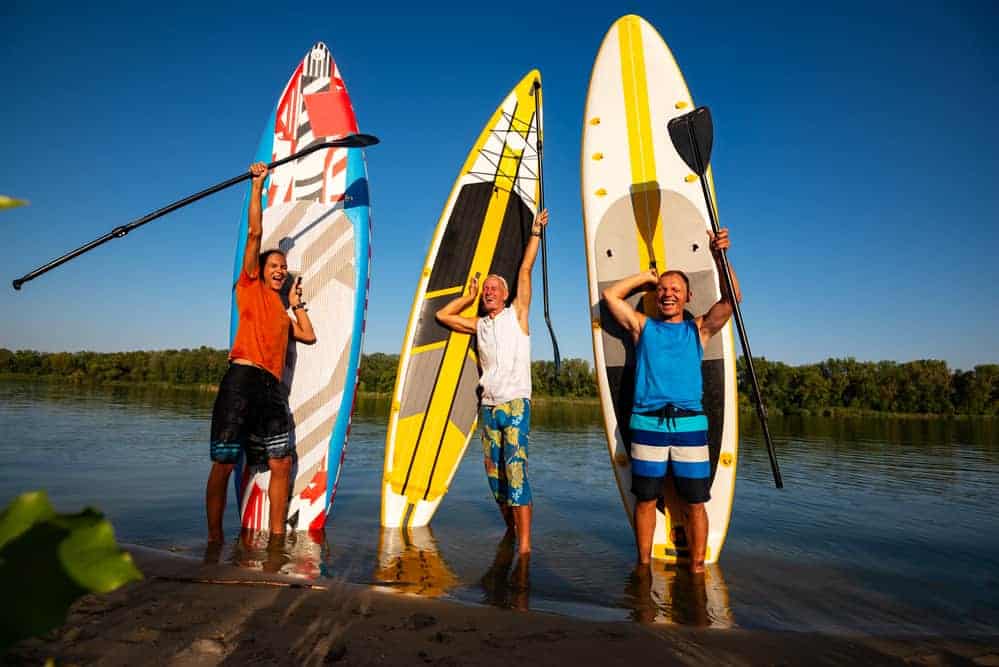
(175, 616)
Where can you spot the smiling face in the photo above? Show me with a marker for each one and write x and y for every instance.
(274, 270)
(672, 296)
(494, 295)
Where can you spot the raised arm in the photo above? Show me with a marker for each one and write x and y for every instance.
(450, 315)
(621, 310)
(254, 223)
(522, 302)
(718, 315)
(301, 325)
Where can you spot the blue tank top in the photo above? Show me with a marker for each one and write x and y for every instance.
(668, 366)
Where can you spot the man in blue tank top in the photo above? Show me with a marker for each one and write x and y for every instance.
(669, 430)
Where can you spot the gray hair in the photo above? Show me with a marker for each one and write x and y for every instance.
(499, 278)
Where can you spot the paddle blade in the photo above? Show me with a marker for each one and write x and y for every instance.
(355, 141)
(692, 135)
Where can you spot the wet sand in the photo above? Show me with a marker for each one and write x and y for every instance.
(188, 613)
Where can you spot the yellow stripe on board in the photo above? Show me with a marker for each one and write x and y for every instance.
(641, 149)
(438, 433)
(457, 289)
(429, 346)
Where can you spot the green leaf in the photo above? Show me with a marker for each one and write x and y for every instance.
(92, 558)
(10, 202)
(37, 589)
(49, 560)
(23, 512)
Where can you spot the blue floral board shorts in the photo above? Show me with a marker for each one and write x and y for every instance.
(505, 432)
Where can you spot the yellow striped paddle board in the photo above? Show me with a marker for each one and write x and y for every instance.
(643, 208)
(483, 229)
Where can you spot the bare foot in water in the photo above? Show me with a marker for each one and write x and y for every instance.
(213, 552)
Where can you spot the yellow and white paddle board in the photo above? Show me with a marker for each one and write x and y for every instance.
(483, 229)
(643, 208)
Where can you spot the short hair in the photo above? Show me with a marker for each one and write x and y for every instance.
(265, 255)
(676, 272)
(499, 278)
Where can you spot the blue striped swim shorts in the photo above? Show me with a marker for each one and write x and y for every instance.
(670, 442)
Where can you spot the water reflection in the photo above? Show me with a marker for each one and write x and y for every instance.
(565, 414)
(885, 524)
(504, 584)
(409, 561)
(300, 554)
(661, 593)
(190, 401)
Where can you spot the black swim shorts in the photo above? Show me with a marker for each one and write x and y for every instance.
(250, 415)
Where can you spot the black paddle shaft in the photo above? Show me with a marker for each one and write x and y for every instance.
(349, 141)
(544, 235)
(692, 153)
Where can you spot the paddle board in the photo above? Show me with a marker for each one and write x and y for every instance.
(316, 210)
(483, 229)
(642, 209)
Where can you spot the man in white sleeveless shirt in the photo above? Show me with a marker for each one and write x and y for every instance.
(504, 346)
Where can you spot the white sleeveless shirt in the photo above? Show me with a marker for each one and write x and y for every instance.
(505, 358)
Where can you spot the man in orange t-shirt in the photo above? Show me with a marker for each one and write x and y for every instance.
(251, 409)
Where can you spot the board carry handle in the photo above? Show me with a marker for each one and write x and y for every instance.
(692, 135)
(536, 91)
(348, 141)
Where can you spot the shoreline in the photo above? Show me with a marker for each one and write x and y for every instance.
(745, 408)
(186, 612)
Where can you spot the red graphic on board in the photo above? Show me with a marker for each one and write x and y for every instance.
(254, 508)
(330, 113)
(286, 127)
(316, 488)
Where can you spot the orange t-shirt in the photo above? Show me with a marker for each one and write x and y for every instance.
(264, 326)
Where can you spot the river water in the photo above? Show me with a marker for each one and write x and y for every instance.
(885, 526)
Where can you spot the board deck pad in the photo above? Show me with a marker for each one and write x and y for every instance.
(483, 229)
(643, 209)
(316, 210)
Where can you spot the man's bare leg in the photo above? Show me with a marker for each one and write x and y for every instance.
(697, 535)
(507, 513)
(215, 496)
(277, 492)
(645, 526)
(522, 523)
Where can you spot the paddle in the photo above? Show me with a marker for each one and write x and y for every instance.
(692, 135)
(544, 235)
(349, 141)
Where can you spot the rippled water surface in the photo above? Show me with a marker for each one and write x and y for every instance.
(885, 525)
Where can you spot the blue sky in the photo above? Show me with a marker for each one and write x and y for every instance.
(855, 159)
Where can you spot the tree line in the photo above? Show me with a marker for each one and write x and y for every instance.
(205, 366)
(924, 386)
